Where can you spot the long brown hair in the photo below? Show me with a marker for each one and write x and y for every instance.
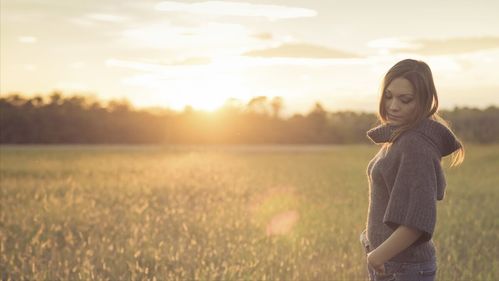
(418, 73)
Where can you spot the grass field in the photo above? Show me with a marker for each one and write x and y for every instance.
(221, 213)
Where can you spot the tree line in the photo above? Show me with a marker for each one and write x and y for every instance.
(76, 119)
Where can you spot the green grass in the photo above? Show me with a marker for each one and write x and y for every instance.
(167, 213)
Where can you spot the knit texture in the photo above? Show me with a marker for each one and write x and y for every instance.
(405, 182)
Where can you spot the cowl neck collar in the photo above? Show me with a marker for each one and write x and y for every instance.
(437, 133)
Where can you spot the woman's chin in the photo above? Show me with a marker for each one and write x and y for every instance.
(394, 122)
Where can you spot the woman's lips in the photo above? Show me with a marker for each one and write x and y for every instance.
(394, 117)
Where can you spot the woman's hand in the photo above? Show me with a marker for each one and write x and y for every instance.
(400, 239)
(375, 262)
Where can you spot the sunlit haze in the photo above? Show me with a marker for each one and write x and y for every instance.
(173, 54)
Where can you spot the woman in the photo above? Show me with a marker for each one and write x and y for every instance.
(405, 176)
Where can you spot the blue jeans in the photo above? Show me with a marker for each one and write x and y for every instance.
(400, 271)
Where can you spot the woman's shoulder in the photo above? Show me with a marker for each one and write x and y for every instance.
(413, 142)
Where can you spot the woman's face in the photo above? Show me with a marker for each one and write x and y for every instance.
(399, 101)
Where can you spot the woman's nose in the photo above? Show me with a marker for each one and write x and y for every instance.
(393, 105)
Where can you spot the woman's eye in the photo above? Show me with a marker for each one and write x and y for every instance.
(406, 101)
(388, 96)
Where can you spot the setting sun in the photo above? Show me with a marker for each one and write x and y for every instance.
(208, 92)
(204, 87)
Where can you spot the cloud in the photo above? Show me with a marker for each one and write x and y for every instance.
(263, 36)
(27, 39)
(72, 86)
(208, 39)
(96, 19)
(30, 67)
(300, 50)
(106, 17)
(77, 65)
(435, 46)
(392, 43)
(272, 12)
(136, 65)
(177, 65)
(457, 45)
(191, 61)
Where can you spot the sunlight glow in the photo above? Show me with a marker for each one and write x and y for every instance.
(282, 223)
(205, 87)
(210, 92)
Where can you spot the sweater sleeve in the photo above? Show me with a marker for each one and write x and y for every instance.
(413, 197)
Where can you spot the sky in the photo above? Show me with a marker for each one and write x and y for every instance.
(202, 53)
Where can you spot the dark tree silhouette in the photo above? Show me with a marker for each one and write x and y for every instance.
(58, 119)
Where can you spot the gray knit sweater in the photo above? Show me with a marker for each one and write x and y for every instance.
(405, 183)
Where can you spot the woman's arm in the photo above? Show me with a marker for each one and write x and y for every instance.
(400, 239)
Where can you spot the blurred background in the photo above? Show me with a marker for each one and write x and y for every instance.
(245, 72)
